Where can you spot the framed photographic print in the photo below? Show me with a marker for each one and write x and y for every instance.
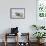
(17, 13)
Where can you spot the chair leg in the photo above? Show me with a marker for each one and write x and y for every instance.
(5, 43)
(5, 40)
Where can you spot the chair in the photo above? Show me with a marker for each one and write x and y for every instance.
(7, 35)
(14, 32)
(26, 41)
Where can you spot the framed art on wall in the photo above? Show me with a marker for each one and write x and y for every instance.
(17, 13)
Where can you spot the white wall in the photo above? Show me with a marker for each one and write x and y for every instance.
(23, 24)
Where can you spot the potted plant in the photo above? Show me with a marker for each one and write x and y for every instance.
(39, 35)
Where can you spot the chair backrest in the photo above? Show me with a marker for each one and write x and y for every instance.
(14, 30)
(24, 37)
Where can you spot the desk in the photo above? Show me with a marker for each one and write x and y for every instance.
(8, 34)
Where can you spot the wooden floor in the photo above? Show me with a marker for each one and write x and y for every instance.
(13, 44)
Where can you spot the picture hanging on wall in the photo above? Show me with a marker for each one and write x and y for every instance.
(17, 13)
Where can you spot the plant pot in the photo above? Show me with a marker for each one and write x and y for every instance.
(40, 41)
